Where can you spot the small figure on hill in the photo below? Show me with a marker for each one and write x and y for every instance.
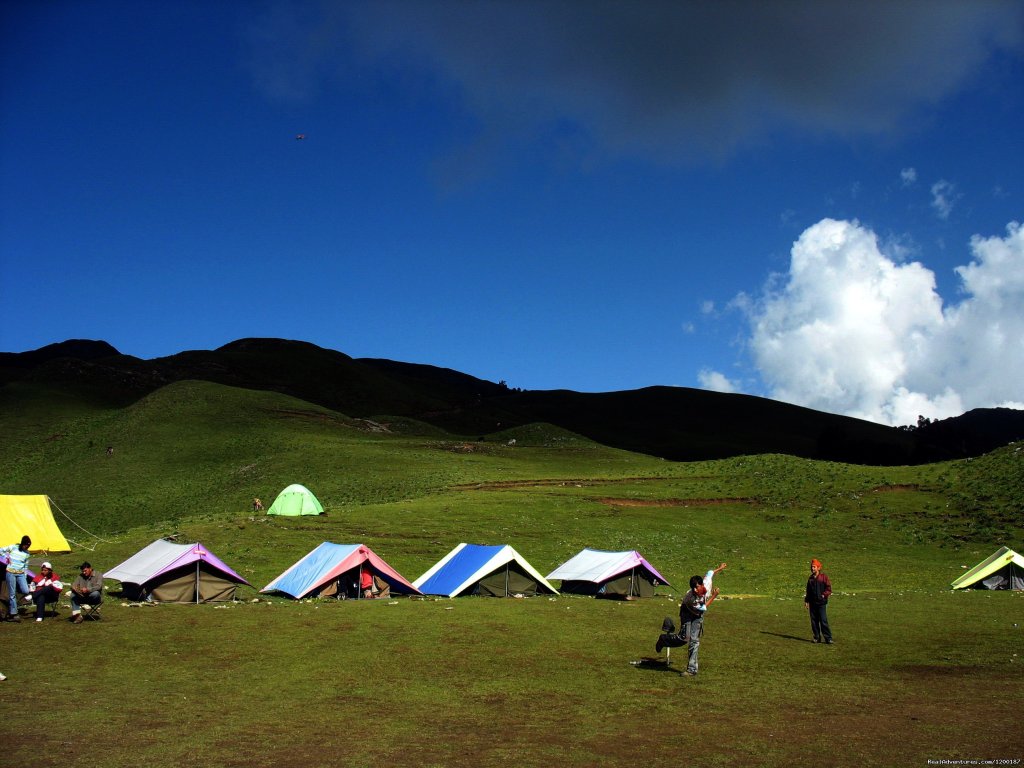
(816, 599)
(17, 574)
(110, 450)
(46, 588)
(691, 614)
(87, 589)
(257, 505)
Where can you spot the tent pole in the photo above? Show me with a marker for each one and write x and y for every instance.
(197, 582)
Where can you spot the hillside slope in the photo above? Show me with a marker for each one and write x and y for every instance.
(670, 422)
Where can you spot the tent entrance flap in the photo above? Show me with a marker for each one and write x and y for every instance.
(632, 583)
(1010, 577)
(188, 584)
(506, 581)
(344, 587)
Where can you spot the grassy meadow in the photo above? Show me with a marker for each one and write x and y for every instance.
(917, 673)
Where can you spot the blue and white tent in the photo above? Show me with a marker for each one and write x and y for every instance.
(476, 569)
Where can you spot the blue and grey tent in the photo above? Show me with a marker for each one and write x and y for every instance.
(609, 574)
(476, 569)
(176, 573)
(622, 574)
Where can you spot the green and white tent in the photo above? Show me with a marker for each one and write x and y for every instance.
(1003, 570)
(295, 500)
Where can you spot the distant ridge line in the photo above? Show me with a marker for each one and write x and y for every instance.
(675, 423)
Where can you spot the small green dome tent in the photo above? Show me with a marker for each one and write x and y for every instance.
(295, 500)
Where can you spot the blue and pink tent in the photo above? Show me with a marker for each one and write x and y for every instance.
(176, 573)
(337, 570)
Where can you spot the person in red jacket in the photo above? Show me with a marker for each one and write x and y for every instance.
(366, 583)
(816, 599)
(45, 588)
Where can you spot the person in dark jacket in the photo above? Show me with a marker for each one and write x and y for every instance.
(816, 599)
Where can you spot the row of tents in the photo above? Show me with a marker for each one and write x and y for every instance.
(168, 572)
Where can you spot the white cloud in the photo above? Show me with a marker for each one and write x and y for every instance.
(908, 176)
(715, 381)
(944, 195)
(851, 331)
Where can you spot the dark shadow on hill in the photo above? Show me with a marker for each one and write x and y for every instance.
(674, 423)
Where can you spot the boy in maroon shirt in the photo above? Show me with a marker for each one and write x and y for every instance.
(816, 599)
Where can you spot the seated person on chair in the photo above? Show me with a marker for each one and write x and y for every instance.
(45, 588)
(87, 589)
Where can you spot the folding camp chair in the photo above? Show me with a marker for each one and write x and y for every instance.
(92, 612)
(53, 605)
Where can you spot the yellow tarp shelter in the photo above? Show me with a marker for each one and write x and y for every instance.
(32, 516)
(1003, 570)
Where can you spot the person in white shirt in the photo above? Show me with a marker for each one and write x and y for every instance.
(17, 574)
(691, 614)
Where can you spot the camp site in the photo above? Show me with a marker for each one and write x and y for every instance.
(210, 604)
(511, 383)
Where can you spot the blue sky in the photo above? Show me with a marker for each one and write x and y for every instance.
(816, 202)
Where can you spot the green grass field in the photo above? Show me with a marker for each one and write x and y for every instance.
(917, 673)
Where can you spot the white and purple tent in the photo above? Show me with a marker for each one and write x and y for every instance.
(608, 574)
(336, 570)
(478, 569)
(176, 573)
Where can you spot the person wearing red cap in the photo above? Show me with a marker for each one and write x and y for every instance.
(45, 588)
(816, 599)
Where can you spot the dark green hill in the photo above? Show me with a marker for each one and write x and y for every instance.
(975, 432)
(671, 422)
(688, 425)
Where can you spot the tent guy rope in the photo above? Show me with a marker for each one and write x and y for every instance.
(54, 504)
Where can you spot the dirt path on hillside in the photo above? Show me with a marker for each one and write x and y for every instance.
(614, 501)
(500, 485)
